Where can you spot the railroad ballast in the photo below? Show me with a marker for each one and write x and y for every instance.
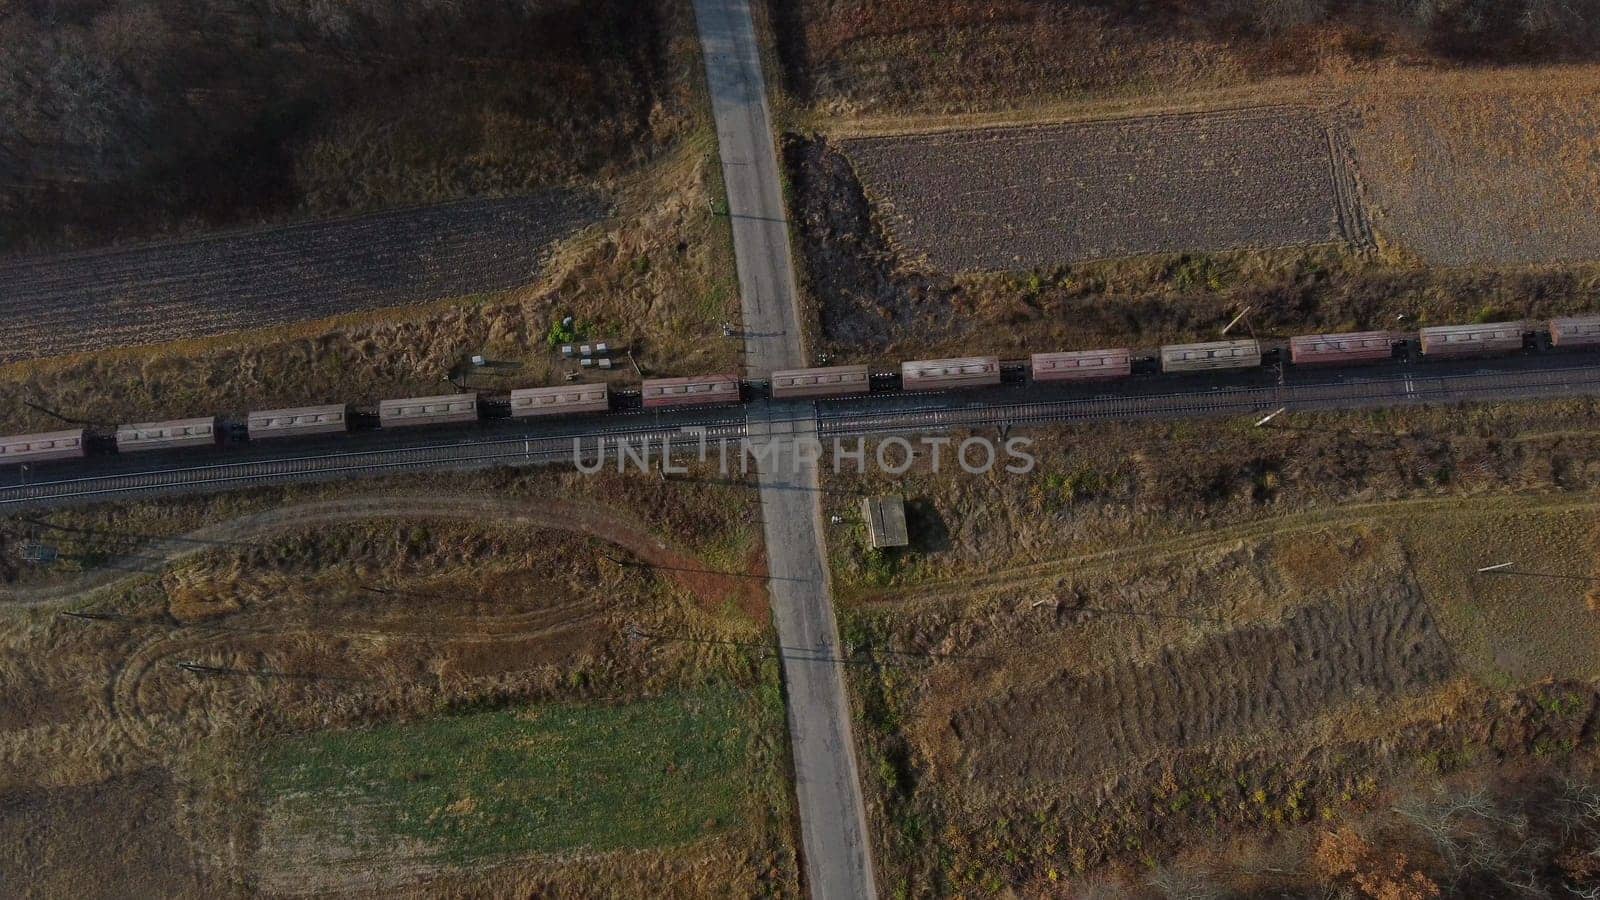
(1352, 348)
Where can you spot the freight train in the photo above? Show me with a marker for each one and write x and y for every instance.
(1354, 348)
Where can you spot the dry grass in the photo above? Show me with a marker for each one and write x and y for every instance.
(876, 302)
(657, 277)
(716, 867)
(311, 626)
(853, 58)
(1511, 628)
(1494, 170)
(109, 840)
(705, 516)
(1172, 634)
(850, 58)
(1099, 487)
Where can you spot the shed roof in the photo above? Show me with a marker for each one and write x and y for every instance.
(886, 520)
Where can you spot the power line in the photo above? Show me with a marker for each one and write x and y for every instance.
(68, 419)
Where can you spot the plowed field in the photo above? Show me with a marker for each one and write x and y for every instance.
(1016, 198)
(1242, 681)
(54, 305)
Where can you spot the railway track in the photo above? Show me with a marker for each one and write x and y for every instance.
(1396, 391)
(905, 414)
(324, 466)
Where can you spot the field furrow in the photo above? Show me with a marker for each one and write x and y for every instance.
(1018, 198)
(55, 305)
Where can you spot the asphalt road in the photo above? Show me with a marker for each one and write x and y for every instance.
(835, 849)
(772, 335)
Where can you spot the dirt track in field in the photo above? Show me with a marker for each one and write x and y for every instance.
(1248, 680)
(55, 305)
(1016, 198)
(677, 565)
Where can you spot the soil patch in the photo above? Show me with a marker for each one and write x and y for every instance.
(1017, 198)
(113, 840)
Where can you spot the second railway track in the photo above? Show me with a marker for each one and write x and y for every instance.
(929, 413)
(1400, 390)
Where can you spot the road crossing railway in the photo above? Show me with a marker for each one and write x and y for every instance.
(112, 478)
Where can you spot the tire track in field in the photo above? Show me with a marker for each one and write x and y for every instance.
(141, 725)
(1260, 677)
(670, 562)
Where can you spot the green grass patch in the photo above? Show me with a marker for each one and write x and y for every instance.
(653, 773)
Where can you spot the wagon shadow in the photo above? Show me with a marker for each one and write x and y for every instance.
(926, 528)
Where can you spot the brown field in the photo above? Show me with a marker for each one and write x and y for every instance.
(169, 117)
(307, 610)
(846, 59)
(1025, 198)
(1488, 171)
(1173, 637)
(1255, 679)
(1159, 704)
(658, 277)
(80, 841)
(57, 305)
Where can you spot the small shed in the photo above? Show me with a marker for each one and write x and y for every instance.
(886, 520)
